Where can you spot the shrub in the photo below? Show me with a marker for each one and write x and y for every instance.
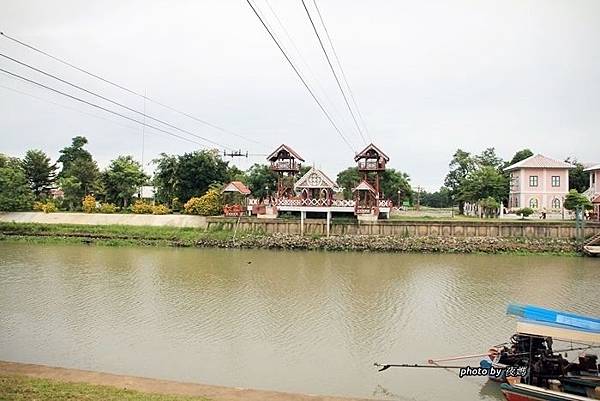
(208, 204)
(88, 204)
(107, 208)
(38, 206)
(49, 207)
(524, 212)
(160, 209)
(141, 207)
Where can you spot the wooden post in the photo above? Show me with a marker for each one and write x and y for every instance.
(328, 221)
(302, 217)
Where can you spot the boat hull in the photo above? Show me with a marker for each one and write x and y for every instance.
(524, 392)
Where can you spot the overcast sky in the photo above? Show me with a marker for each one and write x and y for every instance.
(429, 77)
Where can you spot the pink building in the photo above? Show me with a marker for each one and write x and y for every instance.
(594, 191)
(538, 182)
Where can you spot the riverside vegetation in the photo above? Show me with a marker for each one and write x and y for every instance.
(114, 235)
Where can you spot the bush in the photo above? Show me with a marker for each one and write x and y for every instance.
(160, 209)
(38, 206)
(208, 204)
(142, 207)
(524, 212)
(107, 208)
(46, 207)
(88, 204)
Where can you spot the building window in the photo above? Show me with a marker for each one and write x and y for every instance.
(533, 203)
(556, 180)
(593, 177)
(556, 204)
(533, 180)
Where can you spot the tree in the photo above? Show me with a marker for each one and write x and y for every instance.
(439, 199)
(574, 200)
(40, 173)
(483, 183)
(578, 179)
(71, 188)
(86, 172)
(260, 176)
(520, 155)
(461, 165)
(197, 171)
(489, 206)
(121, 179)
(235, 174)
(489, 158)
(165, 178)
(348, 179)
(69, 154)
(15, 193)
(392, 181)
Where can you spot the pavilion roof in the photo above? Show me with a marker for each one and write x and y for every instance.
(593, 167)
(315, 178)
(363, 153)
(539, 161)
(236, 186)
(364, 186)
(273, 156)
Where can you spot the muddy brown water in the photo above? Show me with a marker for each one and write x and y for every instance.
(308, 322)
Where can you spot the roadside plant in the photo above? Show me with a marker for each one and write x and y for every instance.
(208, 204)
(142, 207)
(160, 209)
(524, 212)
(49, 207)
(574, 200)
(107, 208)
(88, 205)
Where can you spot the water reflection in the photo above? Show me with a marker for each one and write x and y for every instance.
(309, 322)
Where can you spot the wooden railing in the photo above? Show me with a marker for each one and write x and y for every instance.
(318, 202)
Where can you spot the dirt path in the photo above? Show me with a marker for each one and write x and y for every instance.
(216, 393)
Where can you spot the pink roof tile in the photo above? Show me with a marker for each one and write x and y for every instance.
(237, 186)
(539, 161)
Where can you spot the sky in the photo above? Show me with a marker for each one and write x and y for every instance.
(428, 77)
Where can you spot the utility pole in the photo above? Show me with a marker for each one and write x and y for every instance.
(419, 197)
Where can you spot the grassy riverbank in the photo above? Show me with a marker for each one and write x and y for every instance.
(21, 388)
(115, 235)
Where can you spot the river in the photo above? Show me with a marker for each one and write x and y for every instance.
(309, 322)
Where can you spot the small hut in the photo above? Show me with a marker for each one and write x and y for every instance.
(235, 198)
(371, 163)
(315, 188)
(286, 163)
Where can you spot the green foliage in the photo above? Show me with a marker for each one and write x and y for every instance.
(86, 172)
(393, 181)
(15, 193)
(259, 177)
(578, 179)
(46, 207)
(440, 199)
(69, 154)
(485, 182)
(142, 207)
(524, 212)
(160, 209)
(71, 188)
(488, 158)
(235, 174)
(107, 208)
(348, 179)
(490, 206)
(40, 173)
(121, 180)
(520, 155)
(461, 165)
(574, 200)
(208, 204)
(189, 175)
(88, 204)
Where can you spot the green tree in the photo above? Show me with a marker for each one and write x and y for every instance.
(71, 188)
(574, 200)
(393, 181)
(15, 193)
(197, 171)
(483, 183)
(121, 179)
(461, 165)
(86, 172)
(578, 179)
(489, 206)
(40, 173)
(489, 158)
(348, 179)
(520, 155)
(165, 178)
(259, 177)
(69, 154)
(235, 174)
(439, 199)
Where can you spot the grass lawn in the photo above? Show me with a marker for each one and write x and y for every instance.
(20, 388)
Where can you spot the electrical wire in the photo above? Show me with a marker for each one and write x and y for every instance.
(98, 106)
(301, 78)
(337, 80)
(111, 101)
(209, 124)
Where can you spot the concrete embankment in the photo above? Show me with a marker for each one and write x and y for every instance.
(156, 386)
(97, 219)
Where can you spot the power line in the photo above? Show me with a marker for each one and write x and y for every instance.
(111, 101)
(98, 106)
(209, 124)
(342, 71)
(334, 73)
(300, 76)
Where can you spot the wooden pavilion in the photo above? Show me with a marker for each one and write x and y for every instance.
(235, 198)
(286, 163)
(371, 164)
